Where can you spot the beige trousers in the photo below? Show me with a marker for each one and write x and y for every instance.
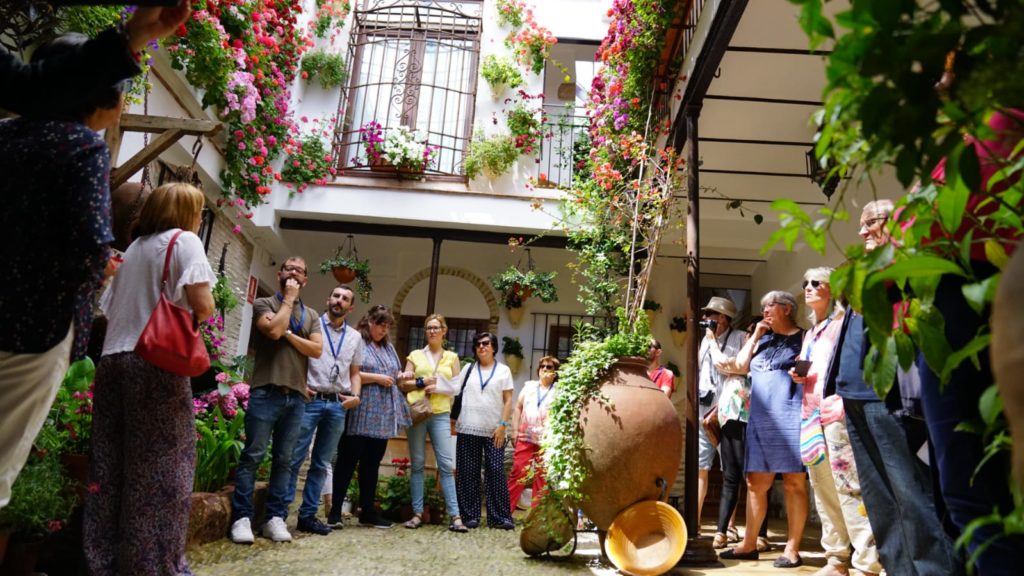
(844, 520)
(28, 384)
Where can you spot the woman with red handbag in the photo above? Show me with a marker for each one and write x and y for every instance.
(143, 442)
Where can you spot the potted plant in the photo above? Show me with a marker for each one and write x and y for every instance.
(396, 149)
(490, 155)
(526, 121)
(515, 286)
(42, 500)
(652, 308)
(433, 501)
(678, 328)
(513, 351)
(68, 427)
(500, 73)
(327, 67)
(394, 492)
(347, 268)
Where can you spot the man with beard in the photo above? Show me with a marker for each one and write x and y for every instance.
(287, 335)
(333, 386)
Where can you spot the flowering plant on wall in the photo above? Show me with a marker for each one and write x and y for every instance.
(512, 12)
(525, 121)
(309, 158)
(531, 44)
(243, 55)
(397, 146)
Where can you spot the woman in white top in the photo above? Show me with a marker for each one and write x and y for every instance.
(528, 423)
(481, 428)
(143, 437)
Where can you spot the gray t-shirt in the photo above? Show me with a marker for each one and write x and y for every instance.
(277, 361)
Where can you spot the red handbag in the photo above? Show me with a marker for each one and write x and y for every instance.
(171, 340)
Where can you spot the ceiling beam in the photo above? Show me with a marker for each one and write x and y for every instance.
(760, 100)
(401, 231)
(758, 142)
(780, 51)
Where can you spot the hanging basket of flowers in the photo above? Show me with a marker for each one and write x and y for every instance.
(515, 286)
(346, 266)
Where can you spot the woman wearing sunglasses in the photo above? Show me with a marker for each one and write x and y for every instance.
(481, 428)
(833, 472)
(528, 426)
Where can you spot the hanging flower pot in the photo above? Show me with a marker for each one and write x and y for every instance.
(515, 315)
(516, 286)
(513, 362)
(678, 337)
(343, 274)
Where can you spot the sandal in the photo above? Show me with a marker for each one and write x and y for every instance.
(720, 541)
(457, 525)
(732, 535)
(763, 545)
(414, 522)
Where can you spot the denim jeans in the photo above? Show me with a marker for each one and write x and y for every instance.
(897, 492)
(325, 419)
(440, 430)
(969, 493)
(272, 413)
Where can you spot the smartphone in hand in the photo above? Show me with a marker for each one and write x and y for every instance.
(801, 367)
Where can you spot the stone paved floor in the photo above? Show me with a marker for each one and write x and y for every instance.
(434, 551)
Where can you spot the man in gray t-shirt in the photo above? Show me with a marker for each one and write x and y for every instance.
(286, 336)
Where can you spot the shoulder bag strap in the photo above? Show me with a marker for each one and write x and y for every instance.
(833, 364)
(167, 258)
(466, 378)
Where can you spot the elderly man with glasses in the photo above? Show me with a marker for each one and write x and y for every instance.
(334, 387)
(287, 335)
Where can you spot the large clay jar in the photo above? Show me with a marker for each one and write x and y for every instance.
(633, 443)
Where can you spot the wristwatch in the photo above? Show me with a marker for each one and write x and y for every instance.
(420, 383)
(288, 332)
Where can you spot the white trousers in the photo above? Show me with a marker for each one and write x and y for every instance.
(844, 520)
(28, 384)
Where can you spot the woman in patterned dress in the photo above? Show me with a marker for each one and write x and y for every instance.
(381, 415)
(143, 438)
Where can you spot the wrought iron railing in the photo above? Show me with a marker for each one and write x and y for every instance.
(412, 64)
(566, 145)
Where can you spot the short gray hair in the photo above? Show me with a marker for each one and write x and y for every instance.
(781, 297)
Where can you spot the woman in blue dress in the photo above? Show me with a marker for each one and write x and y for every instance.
(773, 430)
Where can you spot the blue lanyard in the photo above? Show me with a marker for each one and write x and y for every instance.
(296, 327)
(540, 399)
(814, 339)
(341, 341)
(480, 375)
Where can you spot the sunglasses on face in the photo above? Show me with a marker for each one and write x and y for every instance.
(483, 344)
(547, 367)
(814, 284)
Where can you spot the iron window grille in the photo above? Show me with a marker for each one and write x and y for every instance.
(414, 64)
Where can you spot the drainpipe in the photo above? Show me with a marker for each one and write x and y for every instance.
(692, 291)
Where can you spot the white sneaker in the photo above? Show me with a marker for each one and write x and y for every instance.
(241, 532)
(276, 530)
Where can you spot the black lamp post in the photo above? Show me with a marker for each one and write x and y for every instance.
(820, 174)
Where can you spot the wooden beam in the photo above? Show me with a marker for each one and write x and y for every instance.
(154, 124)
(162, 142)
(112, 136)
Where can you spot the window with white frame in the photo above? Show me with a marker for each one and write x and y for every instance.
(414, 64)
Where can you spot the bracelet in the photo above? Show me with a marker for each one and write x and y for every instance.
(420, 383)
(503, 423)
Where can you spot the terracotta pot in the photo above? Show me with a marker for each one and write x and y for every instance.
(383, 166)
(515, 315)
(20, 558)
(209, 517)
(343, 274)
(547, 528)
(635, 443)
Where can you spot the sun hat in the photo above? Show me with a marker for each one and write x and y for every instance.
(722, 306)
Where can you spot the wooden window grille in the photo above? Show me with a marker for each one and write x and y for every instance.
(414, 64)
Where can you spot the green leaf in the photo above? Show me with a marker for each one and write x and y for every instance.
(880, 368)
(905, 350)
(977, 345)
(970, 168)
(80, 374)
(913, 266)
(990, 405)
(979, 294)
(928, 328)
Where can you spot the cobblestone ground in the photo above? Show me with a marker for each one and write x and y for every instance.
(434, 551)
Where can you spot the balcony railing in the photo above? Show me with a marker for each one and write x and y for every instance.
(566, 146)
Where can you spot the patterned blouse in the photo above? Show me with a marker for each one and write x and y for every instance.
(383, 410)
(55, 227)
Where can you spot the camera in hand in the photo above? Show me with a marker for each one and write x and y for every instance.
(712, 324)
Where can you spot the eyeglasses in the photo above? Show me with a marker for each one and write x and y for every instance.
(298, 269)
(769, 305)
(547, 367)
(814, 284)
(483, 344)
(867, 224)
(433, 328)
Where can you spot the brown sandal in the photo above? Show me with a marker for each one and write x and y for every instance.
(414, 522)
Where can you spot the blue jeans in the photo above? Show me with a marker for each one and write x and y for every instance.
(897, 491)
(968, 493)
(440, 430)
(272, 412)
(327, 420)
